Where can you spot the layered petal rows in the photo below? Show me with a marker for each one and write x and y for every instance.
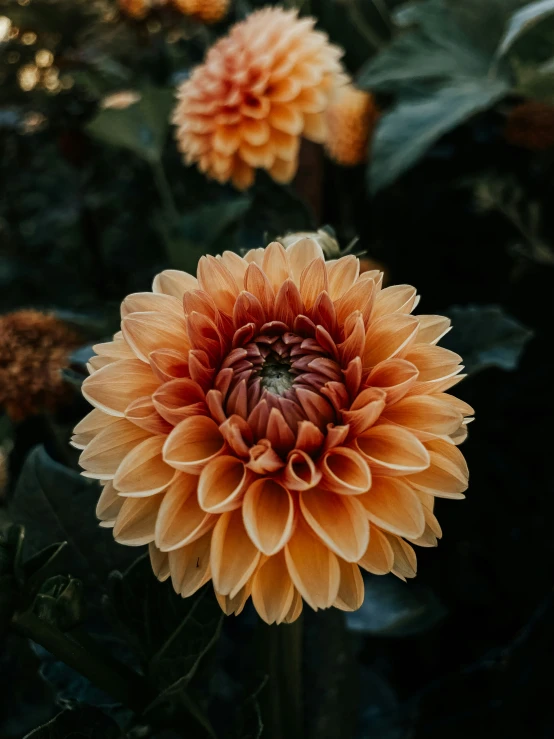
(273, 425)
(260, 89)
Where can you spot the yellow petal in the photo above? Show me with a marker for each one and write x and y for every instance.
(268, 515)
(338, 520)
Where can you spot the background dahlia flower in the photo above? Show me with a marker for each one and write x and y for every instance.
(274, 424)
(260, 89)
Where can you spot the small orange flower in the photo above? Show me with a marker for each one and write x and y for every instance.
(207, 11)
(531, 126)
(351, 118)
(34, 348)
(260, 89)
(272, 425)
(137, 9)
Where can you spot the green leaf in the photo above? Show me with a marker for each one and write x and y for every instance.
(56, 504)
(523, 21)
(394, 608)
(407, 131)
(141, 128)
(171, 633)
(60, 602)
(82, 722)
(485, 336)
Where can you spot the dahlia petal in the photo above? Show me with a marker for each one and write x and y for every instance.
(395, 299)
(248, 310)
(275, 267)
(316, 408)
(89, 427)
(313, 568)
(286, 119)
(272, 590)
(435, 364)
(148, 302)
(222, 484)
(180, 519)
(351, 589)
(424, 413)
(315, 127)
(243, 175)
(203, 334)
(342, 275)
(365, 410)
(179, 399)
(387, 337)
(288, 303)
(286, 147)
(192, 444)
(455, 403)
(278, 432)
(301, 472)
(238, 434)
(168, 364)
(263, 459)
(360, 297)
(149, 331)
(114, 387)
(345, 471)
(405, 560)
(257, 156)
(257, 283)
(116, 349)
(299, 256)
(325, 316)
(190, 566)
(393, 505)
(236, 265)
(313, 281)
(395, 377)
(215, 279)
(143, 472)
(234, 605)
(295, 609)
(432, 329)
(309, 438)
(336, 435)
(338, 520)
(392, 450)
(174, 282)
(159, 561)
(427, 539)
(283, 170)
(268, 515)
(201, 302)
(226, 139)
(447, 474)
(233, 555)
(143, 413)
(103, 455)
(214, 400)
(109, 504)
(379, 555)
(353, 375)
(199, 369)
(135, 522)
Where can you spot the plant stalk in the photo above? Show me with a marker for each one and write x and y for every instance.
(114, 678)
(164, 191)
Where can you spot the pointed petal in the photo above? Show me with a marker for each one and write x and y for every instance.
(393, 505)
(275, 265)
(351, 588)
(114, 387)
(432, 329)
(387, 337)
(379, 556)
(143, 413)
(192, 444)
(143, 472)
(190, 566)
(179, 399)
(136, 521)
(233, 555)
(272, 590)
(365, 410)
(159, 561)
(394, 376)
(405, 560)
(300, 254)
(268, 515)
(90, 426)
(394, 299)
(103, 455)
(313, 281)
(109, 504)
(180, 518)
(174, 282)
(148, 332)
(342, 275)
(141, 302)
(447, 474)
(392, 450)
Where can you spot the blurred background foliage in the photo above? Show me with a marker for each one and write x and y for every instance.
(454, 199)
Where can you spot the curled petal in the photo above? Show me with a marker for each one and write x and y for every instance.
(222, 484)
(309, 438)
(233, 555)
(268, 514)
(392, 450)
(136, 520)
(114, 387)
(190, 566)
(238, 435)
(313, 568)
(143, 472)
(272, 589)
(351, 589)
(338, 520)
(264, 459)
(379, 555)
(345, 471)
(180, 519)
(301, 472)
(393, 505)
(192, 444)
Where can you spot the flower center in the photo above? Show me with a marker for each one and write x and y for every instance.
(276, 375)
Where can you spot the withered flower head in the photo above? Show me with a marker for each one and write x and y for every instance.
(272, 425)
(34, 348)
(260, 89)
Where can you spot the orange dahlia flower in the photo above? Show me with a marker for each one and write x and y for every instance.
(259, 90)
(272, 425)
(207, 11)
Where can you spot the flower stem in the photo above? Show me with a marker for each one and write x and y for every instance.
(282, 708)
(106, 673)
(164, 191)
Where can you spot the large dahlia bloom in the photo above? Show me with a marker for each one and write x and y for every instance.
(260, 89)
(272, 425)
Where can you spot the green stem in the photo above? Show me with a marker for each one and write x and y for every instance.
(282, 702)
(108, 674)
(164, 191)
